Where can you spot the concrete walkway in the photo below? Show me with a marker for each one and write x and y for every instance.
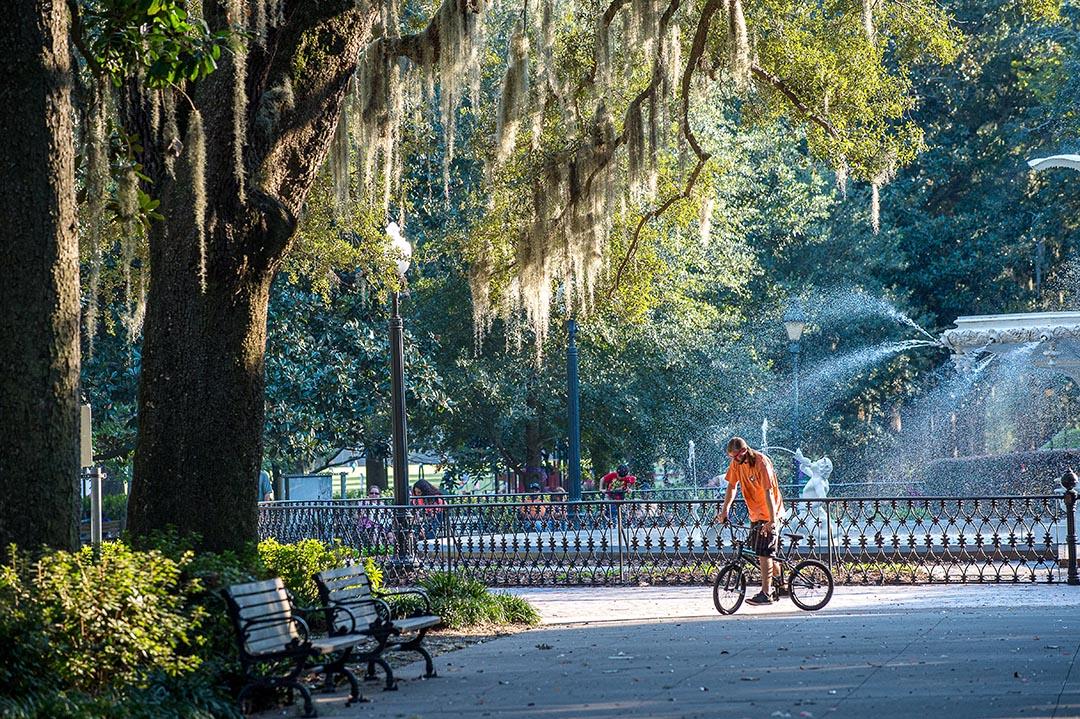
(953, 651)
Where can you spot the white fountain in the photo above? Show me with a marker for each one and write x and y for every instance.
(1055, 336)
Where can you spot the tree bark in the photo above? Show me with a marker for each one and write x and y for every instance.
(375, 469)
(39, 299)
(201, 409)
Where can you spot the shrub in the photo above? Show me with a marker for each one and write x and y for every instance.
(107, 634)
(463, 602)
(297, 563)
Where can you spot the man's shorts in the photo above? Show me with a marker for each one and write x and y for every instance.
(761, 542)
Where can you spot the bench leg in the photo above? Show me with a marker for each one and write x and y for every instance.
(391, 684)
(354, 686)
(413, 645)
(309, 707)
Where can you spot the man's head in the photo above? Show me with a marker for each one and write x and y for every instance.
(739, 450)
(534, 488)
(622, 471)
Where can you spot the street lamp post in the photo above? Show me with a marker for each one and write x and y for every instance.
(574, 419)
(794, 324)
(397, 395)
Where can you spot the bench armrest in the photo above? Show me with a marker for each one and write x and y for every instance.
(331, 611)
(301, 627)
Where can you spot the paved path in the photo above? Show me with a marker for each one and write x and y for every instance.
(956, 652)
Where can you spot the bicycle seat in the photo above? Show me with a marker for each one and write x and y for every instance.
(795, 537)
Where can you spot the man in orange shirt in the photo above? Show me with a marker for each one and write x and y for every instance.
(753, 471)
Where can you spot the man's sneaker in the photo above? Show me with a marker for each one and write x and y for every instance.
(759, 599)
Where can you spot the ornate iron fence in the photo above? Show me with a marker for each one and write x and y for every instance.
(669, 541)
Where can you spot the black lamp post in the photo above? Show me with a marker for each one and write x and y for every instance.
(794, 324)
(397, 393)
(574, 418)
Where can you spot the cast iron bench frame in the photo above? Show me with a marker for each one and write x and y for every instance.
(269, 630)
(353, 608)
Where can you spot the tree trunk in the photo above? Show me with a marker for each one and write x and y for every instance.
(39, 299)
(375, 471)
(201, 388)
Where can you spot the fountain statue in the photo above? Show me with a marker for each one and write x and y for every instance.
(818, 471)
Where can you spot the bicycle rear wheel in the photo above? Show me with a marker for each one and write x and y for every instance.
(811, 585)
(729, 589)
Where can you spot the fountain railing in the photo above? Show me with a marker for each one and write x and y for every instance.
(865, 540)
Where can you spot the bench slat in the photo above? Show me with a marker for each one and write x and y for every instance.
(360, 580)
(279, 606)
(284, 631)
(415, 624)
(348, 571)
(325, 645)
(267, 585)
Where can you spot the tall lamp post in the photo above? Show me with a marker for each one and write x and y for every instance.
(397, 393)
(574, 418)
(794, 324)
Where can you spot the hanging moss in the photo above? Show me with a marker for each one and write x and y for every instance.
(196, 153)
(237, 19)
(97, 176)
(705, 224)
(170, 133)
(339, 164)
(739, 45)
(259, 18)
(515, 88)
(868, 19)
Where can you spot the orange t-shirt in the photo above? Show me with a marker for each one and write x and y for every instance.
(754, 481)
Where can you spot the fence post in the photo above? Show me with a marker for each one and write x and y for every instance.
(1068, 482)
(828, 532)
(95, 507)
(343, 478)
(619, 534)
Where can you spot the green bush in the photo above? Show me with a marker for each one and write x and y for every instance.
(113, 634)
(464, 602)
(297, 563)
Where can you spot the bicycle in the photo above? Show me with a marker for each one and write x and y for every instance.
(810, 584)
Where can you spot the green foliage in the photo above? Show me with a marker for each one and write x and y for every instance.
(297, 563)
(327, 387)
(155, 38)
(110, 635)
(462, 602)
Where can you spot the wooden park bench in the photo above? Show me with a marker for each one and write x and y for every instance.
(354, 609)
(276, 646)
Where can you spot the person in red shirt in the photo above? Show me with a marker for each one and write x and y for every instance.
(615, 485)
(753, 472)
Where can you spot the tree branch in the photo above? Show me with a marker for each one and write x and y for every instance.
(795, 100)
(697, 49)
(79, 41)
(634, 106)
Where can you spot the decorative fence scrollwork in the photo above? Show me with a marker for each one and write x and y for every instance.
(676, 541)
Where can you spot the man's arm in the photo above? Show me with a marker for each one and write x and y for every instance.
(729, 497)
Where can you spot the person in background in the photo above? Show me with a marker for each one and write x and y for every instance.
(266, 488)
(532, 512)
(425, 494)
(558, 509)
(615, 486)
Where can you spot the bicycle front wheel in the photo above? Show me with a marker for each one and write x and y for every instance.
(729, 589)
(811, 585)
